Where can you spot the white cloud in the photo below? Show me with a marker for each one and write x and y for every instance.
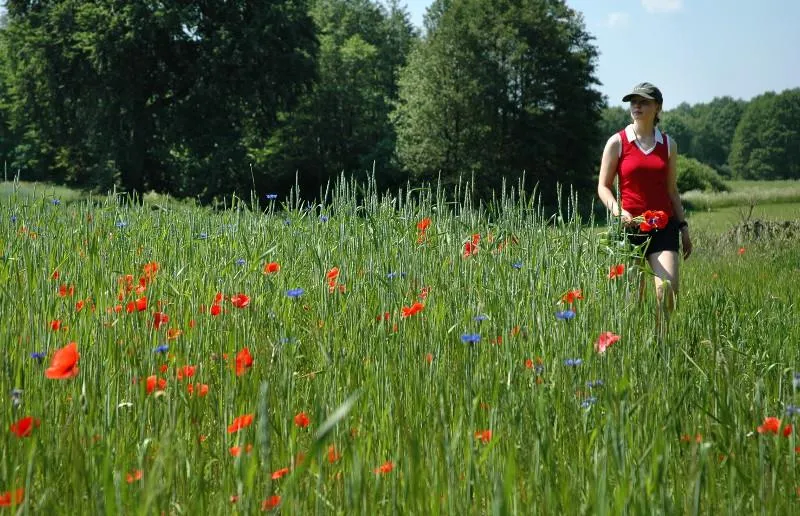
(662, 6)
(615, 20)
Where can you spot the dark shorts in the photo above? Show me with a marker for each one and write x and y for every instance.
(666, 239)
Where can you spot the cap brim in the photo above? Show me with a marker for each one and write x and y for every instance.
(629, 96)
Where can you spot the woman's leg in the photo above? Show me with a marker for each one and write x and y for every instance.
(665, 269)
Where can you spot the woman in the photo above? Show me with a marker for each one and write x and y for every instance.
(643, 161)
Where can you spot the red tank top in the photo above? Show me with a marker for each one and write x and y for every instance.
(643, 177)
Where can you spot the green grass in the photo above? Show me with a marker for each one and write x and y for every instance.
(557, 444)
(745, 193)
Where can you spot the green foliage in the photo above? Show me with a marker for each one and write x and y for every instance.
(693, 175)
(491, 93)
(765, 145)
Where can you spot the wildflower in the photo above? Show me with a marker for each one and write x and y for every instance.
(616, 270)
(173, 333)
(741, 251)
(424, 224)
(244, 361)
(24, 427)
(573, 362)
(159, 318)
(571, 296)
(484, 436)
(133, 476)
(201, 388)
(565, 315)
(408, 311)
(186, 371)
(271, 503)
(235, 451)
(38, 355)
(605, 341)
(323, 218)
(163, 348)
(240, 423)
(592, 384)
(120, 224)
(66, 290)
(240, 300)
(140, 305)
(154, 382)
(55, 202)
(470, 338)
(64, 364)
(481, 318)
(771, 425)
(423, 294)
(271, 196)
(792, 410)
(384, 468)
(653, 219)
(215, 309)
(295, 293)
(686, 438)
(202, 236)
(10, 498)
(429, 358)
(301, 420)
(471, 246)
(333, 274)
(271, 268)
(796, 381)
(333, 455)
(393, 275)
(517, 265)
(240, 262)
(588, 402)
(528, 363)
(277, 475)
(16, 398)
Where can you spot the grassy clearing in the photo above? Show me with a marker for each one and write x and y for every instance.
(482, 401)
(745, 193)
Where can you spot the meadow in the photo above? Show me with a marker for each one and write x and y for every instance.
(382, 354)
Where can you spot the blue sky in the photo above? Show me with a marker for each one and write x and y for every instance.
(693, 50)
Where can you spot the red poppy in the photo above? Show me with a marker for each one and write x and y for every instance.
(333, 454)
(616, 270)
(528, 363)
(240, 300)
(24, 427)
(240, 423)
(159, 318)
(605, 341)
(384, 468)
(272, 268)
(653, 219)
(154, 382)
(66, 290)
(423, 294)
(244, 361)
(277, 475)
(429, 358)
(270, 503)
(571, 296)
(55, 325)
(332, 274)
(64, 364)
(55, 274)
(174, 333)
(483, 436)
(150, 269)
(408, 311)
(140, 305)
(201, 388)
(686, 438)
(471, 246)
(10, 498)
(235, 451)
(771, 425)
(424, 224)
(215, 309)
(787, 430)
(301, 420)
(186, 371)
(133, 476)
(741, 251)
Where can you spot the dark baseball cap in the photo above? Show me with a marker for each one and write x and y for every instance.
(646, 90)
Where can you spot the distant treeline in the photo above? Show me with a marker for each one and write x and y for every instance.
(207, 99)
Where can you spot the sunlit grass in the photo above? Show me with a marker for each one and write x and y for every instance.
(409, 391)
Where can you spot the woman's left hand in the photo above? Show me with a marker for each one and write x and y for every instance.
(686, 243)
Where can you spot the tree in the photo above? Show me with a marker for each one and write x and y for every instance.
(765, 145)
(497, 89)
(152, 95)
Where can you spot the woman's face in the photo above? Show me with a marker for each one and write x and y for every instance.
(644, 109)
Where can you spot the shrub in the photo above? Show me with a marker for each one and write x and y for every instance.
(694, 175)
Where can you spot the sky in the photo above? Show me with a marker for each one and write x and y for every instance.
(693, 50)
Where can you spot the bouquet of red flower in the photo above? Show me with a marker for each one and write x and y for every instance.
(652, 220)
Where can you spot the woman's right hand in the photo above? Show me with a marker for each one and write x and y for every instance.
(627, 218)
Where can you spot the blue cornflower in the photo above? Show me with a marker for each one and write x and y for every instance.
(13, 219)
(286, 340)
(796, 381)
(16, 398)
(287, 222)
(241, 261)
(295, 293)
(565, 315)
(470, 338)
(38, 355)
(55, 202)
(392, 275)
(120, 223)
(163, 348)
(588, 402)
(271, 196)
(517, 265)
(596, 383)
(792, 410)
(481, 317)
(202, 236)
(323, 218)
(573, 362)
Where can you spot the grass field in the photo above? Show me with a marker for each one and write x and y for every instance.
(389, 369)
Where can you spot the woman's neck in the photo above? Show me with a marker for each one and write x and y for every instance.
(643, 128)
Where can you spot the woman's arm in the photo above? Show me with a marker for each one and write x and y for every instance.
(608, 172)
(675, 197)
